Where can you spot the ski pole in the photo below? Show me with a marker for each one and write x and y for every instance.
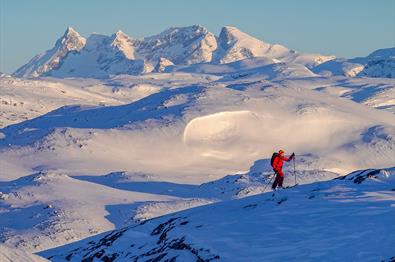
(268, 183)
(294, 171)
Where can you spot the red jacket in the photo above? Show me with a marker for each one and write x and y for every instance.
(278, 162)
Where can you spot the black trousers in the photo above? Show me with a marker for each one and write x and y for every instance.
(278, 181)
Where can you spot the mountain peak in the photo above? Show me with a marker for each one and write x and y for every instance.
(231, 34)
(71, 32)
(120, 34)
(71, 40)
(124, 43)
(230, 28)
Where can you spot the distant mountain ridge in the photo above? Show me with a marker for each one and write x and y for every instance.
(380, 63)
(100, 56)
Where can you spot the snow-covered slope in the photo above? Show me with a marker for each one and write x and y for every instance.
(12, 255)
(176, 120)
(100, 56)
(49, 208)
(374, 92)
(82, 156)
(266, 68)
(380, 63)
(52, 59)
(186, 140)
(347, 219)
(22, 99)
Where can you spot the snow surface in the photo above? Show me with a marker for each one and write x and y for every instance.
(11, 255)
(348, 219)
(146, 146)
(182, 126)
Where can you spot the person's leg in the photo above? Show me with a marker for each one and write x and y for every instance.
(280, 182)
(276, 181)
(281, 178)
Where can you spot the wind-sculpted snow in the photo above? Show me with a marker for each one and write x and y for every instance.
(211, 134)
(342, 219)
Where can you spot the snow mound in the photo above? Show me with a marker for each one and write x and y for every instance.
(219, 131)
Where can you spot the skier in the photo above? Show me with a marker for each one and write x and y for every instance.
(277, 164)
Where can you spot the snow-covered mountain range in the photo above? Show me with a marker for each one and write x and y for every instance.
(158, 149)
(100, 55)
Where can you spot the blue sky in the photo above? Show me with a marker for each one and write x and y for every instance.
(339, 27)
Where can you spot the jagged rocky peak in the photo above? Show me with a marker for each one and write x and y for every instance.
(121, 35)
(71, 40)
(181, 45)
(124, 43)
(71, 31)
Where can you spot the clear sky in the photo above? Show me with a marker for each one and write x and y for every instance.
(345, 28)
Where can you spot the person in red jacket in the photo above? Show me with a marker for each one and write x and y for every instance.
(278, 166)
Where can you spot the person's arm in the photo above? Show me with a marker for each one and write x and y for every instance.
(288, 159)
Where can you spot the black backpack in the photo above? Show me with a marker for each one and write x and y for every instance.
(273, 157)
